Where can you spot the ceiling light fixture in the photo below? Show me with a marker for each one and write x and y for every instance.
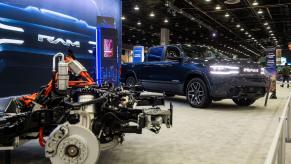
(266, 24)
(260, 11)
(255, 3)
(268, 28)
(238, 25)
(167, 3)
(226, 15)
(242, 29)
(136, 8)
(213, 34)
(218, 7)
(152, 14)
(166, 20)
(139, 23)
(123, 18)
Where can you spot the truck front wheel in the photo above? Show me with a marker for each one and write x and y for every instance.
(243, 101)
(197, 93)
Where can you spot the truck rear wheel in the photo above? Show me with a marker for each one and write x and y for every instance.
(130, 81)
(243, 101)
(197, 93)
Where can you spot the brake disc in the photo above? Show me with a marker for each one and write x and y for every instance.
(72, 144)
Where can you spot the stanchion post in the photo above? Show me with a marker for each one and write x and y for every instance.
(283, 140)
(288, 136)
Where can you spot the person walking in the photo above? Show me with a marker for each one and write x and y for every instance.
(285, 75)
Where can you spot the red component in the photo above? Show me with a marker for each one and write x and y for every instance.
(41, 140)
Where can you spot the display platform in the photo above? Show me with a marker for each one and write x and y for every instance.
(223, 133)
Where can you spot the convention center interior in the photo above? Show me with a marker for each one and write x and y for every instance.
(145, 82)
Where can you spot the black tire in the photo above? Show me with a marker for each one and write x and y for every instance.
(244, 101)
(169, 95)
(197, 93)
(130, 81)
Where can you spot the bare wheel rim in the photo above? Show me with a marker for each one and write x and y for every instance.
(196, 93)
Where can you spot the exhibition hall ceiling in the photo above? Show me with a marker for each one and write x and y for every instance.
(241, 27)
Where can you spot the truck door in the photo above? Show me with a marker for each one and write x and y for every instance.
(171, 71)
(150, 72)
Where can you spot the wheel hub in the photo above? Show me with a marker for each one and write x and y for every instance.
(72, 151)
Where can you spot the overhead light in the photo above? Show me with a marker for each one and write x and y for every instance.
(152, 14)
(238, 25)
(266, 24)
(136, 8)
(226, 15)
(214, 34)
(260, 11)
(208, 0)
(167, 3)
(255, 3)
(166, 20)
(246, 33)
(218, 7)
(272, 34)
(123, 18)
(139, 23)
(268, 28)
(242, 29)
(270, 31)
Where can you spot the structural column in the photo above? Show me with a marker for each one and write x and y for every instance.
(165, 36)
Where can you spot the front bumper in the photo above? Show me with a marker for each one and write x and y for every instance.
(237, 86)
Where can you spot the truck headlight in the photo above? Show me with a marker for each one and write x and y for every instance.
(223, 70)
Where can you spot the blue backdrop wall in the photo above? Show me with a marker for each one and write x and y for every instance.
(32, 31)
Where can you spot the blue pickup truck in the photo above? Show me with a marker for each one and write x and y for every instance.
(198, 72)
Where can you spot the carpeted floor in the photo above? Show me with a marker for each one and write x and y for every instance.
(221, 134)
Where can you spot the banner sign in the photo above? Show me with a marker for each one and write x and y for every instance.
(138, 54)
(271, 62)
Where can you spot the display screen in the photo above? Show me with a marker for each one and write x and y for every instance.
(32, 31)
(108, 48)
(286, 55)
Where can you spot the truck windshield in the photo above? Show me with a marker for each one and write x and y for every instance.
(201, 52)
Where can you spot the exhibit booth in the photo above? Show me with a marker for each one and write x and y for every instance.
(33, 31)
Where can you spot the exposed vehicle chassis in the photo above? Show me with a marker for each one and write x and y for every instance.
(80, 121)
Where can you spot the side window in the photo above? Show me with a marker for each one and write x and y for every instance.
(155, 54)
(173, 54)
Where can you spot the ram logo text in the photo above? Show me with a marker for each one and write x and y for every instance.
(251, 70)
(53, 40)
